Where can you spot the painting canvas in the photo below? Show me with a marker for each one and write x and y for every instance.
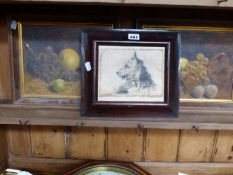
(131, 73)
(50, 62)
(50, 59)
(206, 69)
(206, 63)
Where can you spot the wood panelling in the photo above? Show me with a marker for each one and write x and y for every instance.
(86, 143)
(5, 64)
(149, 145)
(44, 166)
(161, 145)
(39, 166)
(3, 149)
(156, 168)
(223, 152)
(125, 144)
(48, 141)
(18, 139)
(196, 146)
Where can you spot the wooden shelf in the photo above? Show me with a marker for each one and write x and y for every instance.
(41, 166)
(70, 116)
(217, 116)
(204, 3)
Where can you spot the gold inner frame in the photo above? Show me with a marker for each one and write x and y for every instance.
(194, 28)
(21, 57)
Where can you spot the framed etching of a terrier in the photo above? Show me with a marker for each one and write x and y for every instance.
(130, 73)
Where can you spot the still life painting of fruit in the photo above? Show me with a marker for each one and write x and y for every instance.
(51, 61)
(206, 66)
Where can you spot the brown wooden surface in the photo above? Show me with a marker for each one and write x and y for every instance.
(205, 3)
(5, 63)
(19, 141)
(86, 143)
(196, 146)
(57, 166)
(156, 168)
(125, 144)
(48, 141)
(223, 151)
(25, 143)
(54, 115)
(161, 145)
(120, 144)
(149, 145)
(3, 149)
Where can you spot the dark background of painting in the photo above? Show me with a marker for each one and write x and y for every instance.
(59, 37)
(206, 42)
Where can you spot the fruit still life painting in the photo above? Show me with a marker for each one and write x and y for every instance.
(206, 66)
(51, 61)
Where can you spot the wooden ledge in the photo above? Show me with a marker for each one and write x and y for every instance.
(70, 116)
(205, 3)
(42, 166)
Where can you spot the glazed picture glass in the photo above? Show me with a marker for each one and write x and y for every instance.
(133, 69)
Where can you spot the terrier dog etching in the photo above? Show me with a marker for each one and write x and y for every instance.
(136, 76)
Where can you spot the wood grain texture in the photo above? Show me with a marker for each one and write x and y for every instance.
(125, 144)
(5, 63)
(145, 2)
(196, 146)
(223, 152)
(42, 166)
(161, 145)
(48, 141)
(70, 116)
(18, 140)
(86, 143)
(3, 149)
(156, 168)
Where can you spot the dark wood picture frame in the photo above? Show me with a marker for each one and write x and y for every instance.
(93, 40)
(96, 166)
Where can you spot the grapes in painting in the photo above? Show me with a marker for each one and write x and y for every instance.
(51, 61)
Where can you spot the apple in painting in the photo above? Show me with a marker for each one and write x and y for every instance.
(58, 85)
